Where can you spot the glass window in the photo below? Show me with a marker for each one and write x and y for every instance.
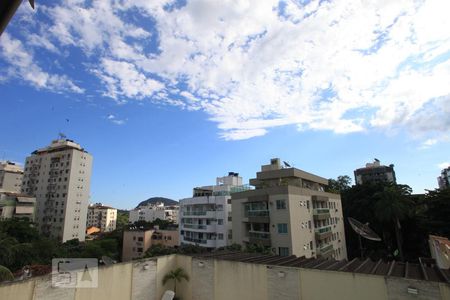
(220, 221)
(282, 228)
(281, 204)
(283, 251)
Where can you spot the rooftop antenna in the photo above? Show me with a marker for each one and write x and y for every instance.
(61, 136)
(286, 164)
(376, 159)
(363, 230)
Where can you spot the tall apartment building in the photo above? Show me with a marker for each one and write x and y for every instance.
(102, 217)
(10, 177)
(206, 217)
(59, 177)
(444, 179)
(289, 213)
(150, 213)
(375, 173)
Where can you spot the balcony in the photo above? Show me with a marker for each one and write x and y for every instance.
(321, 213)
(193, 240)
(320, 198)
(259, 238)
(323, 232)
(325, 250)
(257, 213)
(202, 213)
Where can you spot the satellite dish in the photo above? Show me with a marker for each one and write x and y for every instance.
(286, 164)
(363, 230)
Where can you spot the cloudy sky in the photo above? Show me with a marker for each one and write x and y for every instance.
(168, 95)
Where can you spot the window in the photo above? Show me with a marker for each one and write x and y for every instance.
(140, 239)
(282, 228)
(220, 236)
(283, 251)
(229, 201)
(220, 221)
(307, 204)
(139, 250)
(281, 204)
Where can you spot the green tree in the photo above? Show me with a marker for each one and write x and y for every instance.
(437, 216)
(5, 274)
(391, 207)
(340, 184)
(7, 250)
(176, 275)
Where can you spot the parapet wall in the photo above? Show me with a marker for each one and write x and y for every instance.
(222, 280)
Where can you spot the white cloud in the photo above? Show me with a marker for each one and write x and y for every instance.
(344, 66)
(112, 118)
(24, 67)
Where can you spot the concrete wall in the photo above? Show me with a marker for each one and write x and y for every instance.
(223, 280)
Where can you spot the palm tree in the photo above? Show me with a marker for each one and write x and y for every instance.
(5, 274)
(176, 275)
(391, 207)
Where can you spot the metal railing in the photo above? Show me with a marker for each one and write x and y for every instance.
(326, 248)
(320, 211)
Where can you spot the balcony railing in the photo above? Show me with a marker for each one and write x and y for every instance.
(257, 213)
(319, 211)
(196, 213)
(263, 235)
(195, 226)
(325, 249)
(198, 241)
(324, 229)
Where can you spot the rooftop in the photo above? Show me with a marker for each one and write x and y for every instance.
(426, 269)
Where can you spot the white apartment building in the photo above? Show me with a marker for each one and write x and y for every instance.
(11, 176)
(205, 219)
(150, 213)
(59, 176)
(101, 216)
(289, 213)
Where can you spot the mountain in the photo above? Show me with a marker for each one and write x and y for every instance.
(154, 200)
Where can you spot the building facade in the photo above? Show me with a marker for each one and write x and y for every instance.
(151, 213)
(137, 240)
(102, 217)
(14, 205)
(375, 173)
(289, 213)
(206, 217)
(11, 176)
(59, 176)
(444, 179)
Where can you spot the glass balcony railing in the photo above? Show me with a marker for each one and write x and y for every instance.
(196, 213)
(257, 213)
(259, 235)
(198, 241)
(195, 226)
(325, 248)
(324, 229)
(321, 211)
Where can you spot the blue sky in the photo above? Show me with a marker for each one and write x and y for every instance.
(168, 95)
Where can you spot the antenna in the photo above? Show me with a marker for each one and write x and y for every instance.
(61, 136)
(286, 164)
(363, 230)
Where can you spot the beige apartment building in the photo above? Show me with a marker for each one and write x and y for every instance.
(15, 205)
(102, 216)
(137, 240)
(11, 176)
(289, 213)
(59, 176)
